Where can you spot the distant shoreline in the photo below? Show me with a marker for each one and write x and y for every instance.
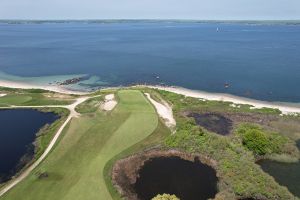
(101, 21)
(285, 109)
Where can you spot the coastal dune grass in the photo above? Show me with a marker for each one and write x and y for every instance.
(74, 169)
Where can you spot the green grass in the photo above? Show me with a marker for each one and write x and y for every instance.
(75, 167)
(156, 138)
(45, 134)
(14, 99)
(20, 97)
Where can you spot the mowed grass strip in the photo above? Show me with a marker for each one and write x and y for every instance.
(75, 167)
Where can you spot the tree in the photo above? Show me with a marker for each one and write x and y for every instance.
(165, 197)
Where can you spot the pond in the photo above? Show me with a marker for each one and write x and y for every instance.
(287, 174)
(213, 122)
(173, 175)
(18, 132)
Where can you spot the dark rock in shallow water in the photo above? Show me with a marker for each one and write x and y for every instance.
(71, 81)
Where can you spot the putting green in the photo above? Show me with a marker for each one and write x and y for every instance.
(75, 166)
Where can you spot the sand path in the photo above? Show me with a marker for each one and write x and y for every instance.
(72, 114)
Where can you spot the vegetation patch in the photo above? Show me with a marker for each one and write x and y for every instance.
(239, 176)
(262, 142)
(165, 197)
(91, 105)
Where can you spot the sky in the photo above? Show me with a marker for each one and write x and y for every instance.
(151, 9)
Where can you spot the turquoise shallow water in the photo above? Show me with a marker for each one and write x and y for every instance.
(257, 61)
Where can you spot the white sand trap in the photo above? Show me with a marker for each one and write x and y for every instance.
(164, 111)
(2, 95)
(109, 102)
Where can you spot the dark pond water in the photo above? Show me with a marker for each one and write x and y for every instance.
(18, 128)
(172, 175)
(287, 174)
(213, 122)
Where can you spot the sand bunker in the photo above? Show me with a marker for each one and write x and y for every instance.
(2, 95)
(164, 111)
(109, 102)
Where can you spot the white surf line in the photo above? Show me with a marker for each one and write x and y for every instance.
(164, 111)
(109, 102)
(21, 85)
(27, 171)
(285, 109)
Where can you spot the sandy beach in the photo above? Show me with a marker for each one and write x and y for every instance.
(21, 85)
(285, 109)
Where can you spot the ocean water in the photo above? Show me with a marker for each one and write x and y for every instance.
(258, 61)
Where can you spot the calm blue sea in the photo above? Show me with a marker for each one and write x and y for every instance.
(257, 61)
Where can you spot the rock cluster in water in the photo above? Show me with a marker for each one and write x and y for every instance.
(71, 81)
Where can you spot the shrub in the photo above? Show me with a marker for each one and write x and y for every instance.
(165, 197)
(256, 141)
(259, 141)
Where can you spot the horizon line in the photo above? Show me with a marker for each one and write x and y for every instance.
(146, 19)
(91, 21)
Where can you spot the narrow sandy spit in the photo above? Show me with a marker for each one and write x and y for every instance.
(72, 114)
(285, 109)
(109, 102)
(164, 111)
(20, 85)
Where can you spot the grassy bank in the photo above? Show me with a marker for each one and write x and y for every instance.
(74, 169)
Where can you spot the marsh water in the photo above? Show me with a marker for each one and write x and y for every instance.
(173, 175)
(257, 60)
(213, 122)
(287, 174)
(18, 132)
